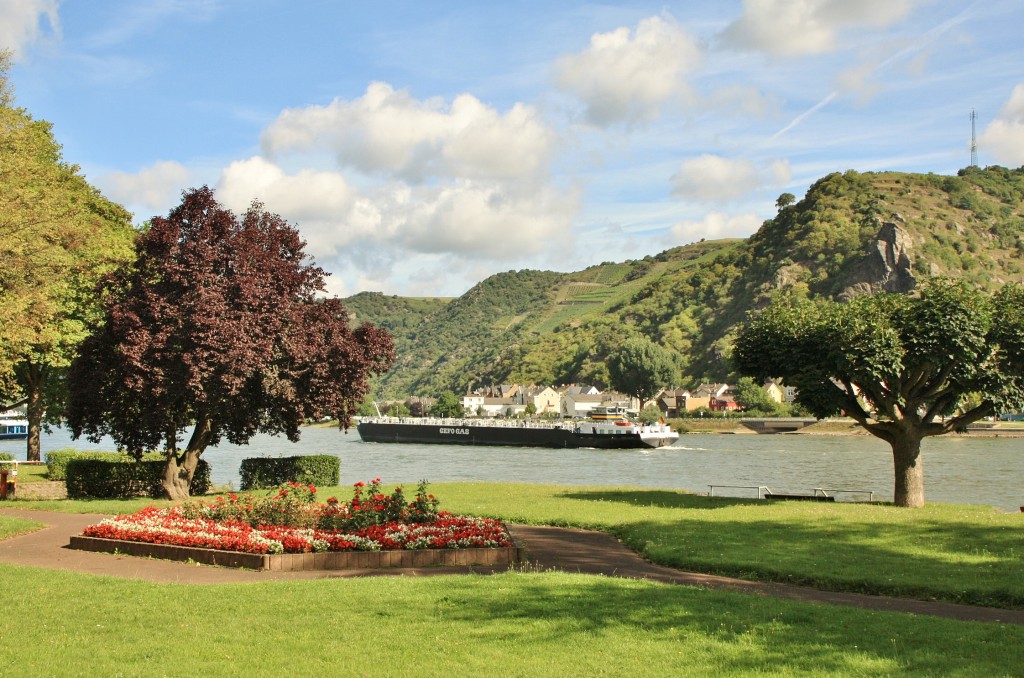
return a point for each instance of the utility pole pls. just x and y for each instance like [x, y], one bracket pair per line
[974, 141]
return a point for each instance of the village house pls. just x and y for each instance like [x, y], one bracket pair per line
[774, 391]
[578, 389]
[669, 402]
[472, 403]
[545, 400]
[579, 405]
[724, 403]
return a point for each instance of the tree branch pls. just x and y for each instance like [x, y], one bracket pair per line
[851, 404]
[962, 421]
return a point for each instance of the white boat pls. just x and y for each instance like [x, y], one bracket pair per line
[13, 429]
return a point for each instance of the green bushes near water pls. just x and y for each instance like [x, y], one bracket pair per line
[57, 461]
[260, 473]
[114, 475]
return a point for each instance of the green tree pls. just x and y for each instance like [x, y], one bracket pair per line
[641, 368]
[650, 414]
[753, 398]
[448, 405]
[902, 366]
[58, 237]
[397, 409]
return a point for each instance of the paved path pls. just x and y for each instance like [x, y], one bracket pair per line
[548, 548]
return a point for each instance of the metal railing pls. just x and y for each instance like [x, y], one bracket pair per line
[763, 492]
[759, 488]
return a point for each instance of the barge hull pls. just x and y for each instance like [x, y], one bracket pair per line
[504, 436]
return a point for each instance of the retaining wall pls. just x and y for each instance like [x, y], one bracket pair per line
[295, 562]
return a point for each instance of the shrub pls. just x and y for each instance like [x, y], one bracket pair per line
[376, 508]
[118, 476]
[261, 473]
[57, 461]
[6, 456]
[294, 505]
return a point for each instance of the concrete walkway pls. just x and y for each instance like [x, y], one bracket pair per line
[549, 548]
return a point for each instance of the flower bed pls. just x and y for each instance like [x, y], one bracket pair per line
[292, 522]
[169, 526]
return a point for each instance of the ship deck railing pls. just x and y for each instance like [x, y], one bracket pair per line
[451, 421]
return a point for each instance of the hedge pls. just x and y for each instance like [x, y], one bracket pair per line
[118, 476]
[57, 461]
[265, 472]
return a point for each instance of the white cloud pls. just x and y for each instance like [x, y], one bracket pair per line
[22, 22]
[328, 211]
[389, 131]
[799, 27]
[629, 78]
[1003, 138]
[152, 188]
[711, 178]
[482, 219]
[714, 225]
[471, 220]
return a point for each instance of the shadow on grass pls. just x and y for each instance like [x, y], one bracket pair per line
[968, 564]
[937, 553]
[660, 499]
[728, 633]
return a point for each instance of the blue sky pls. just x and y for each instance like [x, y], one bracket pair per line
[422, 146]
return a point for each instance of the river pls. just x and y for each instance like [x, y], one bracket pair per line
[961, 470]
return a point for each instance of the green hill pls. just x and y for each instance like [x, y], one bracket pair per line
[851, 234]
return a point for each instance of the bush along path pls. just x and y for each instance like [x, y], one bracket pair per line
[549, 548]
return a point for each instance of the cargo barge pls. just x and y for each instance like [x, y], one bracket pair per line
[593, 434]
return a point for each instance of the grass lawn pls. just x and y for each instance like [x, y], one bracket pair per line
[514, 624]
[525, 623]
[12, 527]
[959, 553]
[967, 554]
[31, 473]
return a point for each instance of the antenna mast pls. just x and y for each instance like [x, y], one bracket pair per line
[974, 141]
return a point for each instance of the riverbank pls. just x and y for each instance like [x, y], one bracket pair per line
[832, 427]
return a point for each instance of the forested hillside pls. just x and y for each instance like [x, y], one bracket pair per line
[851, 234]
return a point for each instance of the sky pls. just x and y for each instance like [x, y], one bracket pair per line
[420, 146]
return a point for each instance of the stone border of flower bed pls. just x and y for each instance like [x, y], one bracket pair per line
[300, 562]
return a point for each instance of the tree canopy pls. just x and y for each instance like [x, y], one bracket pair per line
[216, 323]
[58, 236]
[641, 369]
[448, 405]
[904, 367]
[753, 398]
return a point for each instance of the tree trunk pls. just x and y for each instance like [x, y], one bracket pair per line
[909, 469]
[34, 386]
[179, 471]
[178, 474]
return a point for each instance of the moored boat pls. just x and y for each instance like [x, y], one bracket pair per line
[594, 434]
[13, 429]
